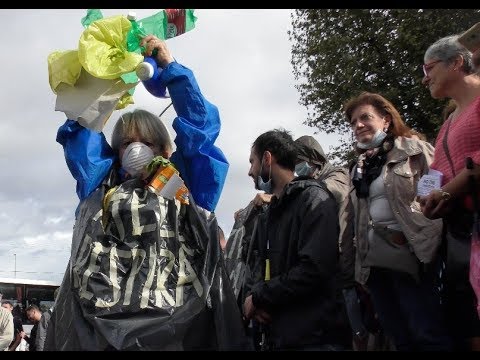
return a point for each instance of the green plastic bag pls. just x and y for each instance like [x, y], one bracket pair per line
[92, 15]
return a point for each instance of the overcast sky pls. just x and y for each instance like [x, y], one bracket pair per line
[241, 59]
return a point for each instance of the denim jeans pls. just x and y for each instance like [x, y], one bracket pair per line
[409, 311]
[354, 311]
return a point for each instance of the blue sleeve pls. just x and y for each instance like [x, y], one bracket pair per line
[202, 165]
[88, 155]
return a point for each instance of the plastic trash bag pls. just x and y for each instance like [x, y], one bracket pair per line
[102, 48]
[236, 251]
[145, 273]
[63, 67]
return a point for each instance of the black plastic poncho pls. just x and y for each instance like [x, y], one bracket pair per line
[145, 273]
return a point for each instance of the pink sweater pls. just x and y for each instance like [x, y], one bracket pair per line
[463, 141]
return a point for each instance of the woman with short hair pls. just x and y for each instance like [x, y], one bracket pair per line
[450, 74]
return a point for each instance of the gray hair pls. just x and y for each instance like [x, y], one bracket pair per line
[146, 125]
[447, 49]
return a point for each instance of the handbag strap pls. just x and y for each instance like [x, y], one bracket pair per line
[445, 146]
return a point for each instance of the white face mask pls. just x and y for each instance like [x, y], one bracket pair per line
[262, 185]
[136, 156]
[377, 139]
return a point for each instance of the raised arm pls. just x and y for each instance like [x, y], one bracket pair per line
[202, 165]
[88, 155]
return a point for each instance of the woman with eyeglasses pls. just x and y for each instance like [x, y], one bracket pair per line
[396, 244]
[450, 74]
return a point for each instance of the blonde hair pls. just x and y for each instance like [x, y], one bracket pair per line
[145, 124]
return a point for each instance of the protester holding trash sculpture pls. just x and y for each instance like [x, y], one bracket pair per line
[146, 269]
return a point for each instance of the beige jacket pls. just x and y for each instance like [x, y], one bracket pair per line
[6, 329]
[409, 159]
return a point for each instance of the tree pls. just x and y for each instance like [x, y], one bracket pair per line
[338, 53]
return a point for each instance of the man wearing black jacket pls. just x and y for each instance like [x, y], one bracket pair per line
[291, 287]
[312, 161]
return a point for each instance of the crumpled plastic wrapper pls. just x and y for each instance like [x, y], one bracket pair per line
[92, 100]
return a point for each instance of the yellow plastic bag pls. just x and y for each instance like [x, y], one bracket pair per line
[125, 100]
[102, 48]
[63, 67]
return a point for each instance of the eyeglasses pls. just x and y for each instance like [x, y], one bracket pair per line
[427, 67]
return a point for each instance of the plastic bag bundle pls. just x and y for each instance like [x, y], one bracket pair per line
[108, 49]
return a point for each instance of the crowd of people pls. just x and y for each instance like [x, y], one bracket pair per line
[13, 336]
[412, 253]
[323, 258]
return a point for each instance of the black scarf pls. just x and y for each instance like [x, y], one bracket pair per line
[369, 167]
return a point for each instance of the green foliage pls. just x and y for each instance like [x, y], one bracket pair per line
[343, 154]
[338, 53]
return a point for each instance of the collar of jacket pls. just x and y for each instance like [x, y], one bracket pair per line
[403, 148]
[298, 184]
